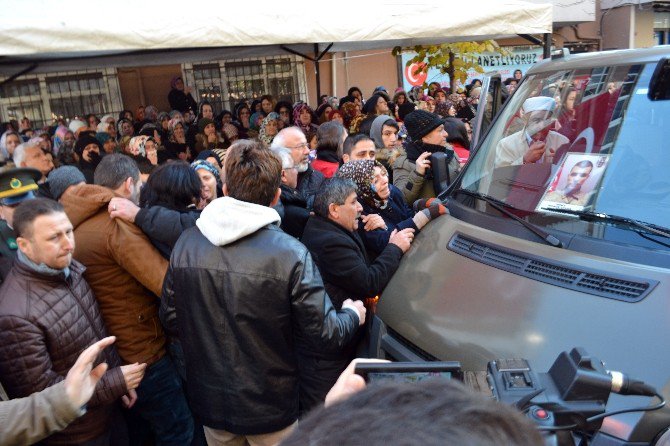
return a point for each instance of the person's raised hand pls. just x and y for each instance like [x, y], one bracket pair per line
[422, 163]
[402, 239]
[372, 222]
[133, 374]
[82, 378]
[358, 307]
[534, 152]
[122, 208]
[348, 382]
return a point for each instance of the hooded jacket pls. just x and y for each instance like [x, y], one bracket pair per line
[124, 269]
[247, 295]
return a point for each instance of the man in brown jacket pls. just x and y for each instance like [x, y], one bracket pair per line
[126, 273]
[48, 316]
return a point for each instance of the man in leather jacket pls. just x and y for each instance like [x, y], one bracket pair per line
[247, 295]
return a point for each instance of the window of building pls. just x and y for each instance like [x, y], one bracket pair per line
[44, 98]
[225, 83]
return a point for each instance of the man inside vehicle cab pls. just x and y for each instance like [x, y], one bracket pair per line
[536, 142]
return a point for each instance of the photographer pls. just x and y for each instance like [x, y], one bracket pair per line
[431, 412]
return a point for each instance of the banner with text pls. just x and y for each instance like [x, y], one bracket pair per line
[516, 59]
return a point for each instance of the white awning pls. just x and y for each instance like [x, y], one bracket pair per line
[47, 30]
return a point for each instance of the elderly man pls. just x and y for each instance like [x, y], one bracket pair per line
[536, 142]
[332, 238]
[48, 316]
[247, 295]
[126, 273]
[30, 154]
[309, 180]
[292, 206]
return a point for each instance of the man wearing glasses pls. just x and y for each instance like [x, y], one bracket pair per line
[309, 180]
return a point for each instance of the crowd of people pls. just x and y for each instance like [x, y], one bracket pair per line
[236, 258]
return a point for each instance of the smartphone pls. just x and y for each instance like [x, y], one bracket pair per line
[408, 372]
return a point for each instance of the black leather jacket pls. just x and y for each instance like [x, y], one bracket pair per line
[242, 310]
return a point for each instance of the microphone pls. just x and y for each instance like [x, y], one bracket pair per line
[624, 385]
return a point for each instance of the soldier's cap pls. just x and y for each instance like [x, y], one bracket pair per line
[17, 185]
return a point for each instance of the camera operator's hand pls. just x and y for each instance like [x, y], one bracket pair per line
[82, 378]
[372, 222]
[348, 383]
[422, 163]
[402, 239]
[358, 307]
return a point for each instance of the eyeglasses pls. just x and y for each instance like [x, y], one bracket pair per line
[302, 145]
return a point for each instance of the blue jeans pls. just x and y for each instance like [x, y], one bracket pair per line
[162, 403]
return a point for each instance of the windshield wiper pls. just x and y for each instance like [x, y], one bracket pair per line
[631, 222]
[500, 205]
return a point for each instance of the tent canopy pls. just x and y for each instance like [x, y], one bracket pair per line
[55, 34]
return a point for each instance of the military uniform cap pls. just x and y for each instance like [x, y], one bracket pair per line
[18, 184]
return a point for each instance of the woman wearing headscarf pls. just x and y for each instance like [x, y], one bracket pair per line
[180, 96]
[349, 111]
[269, 128]
[329, 139]
[458, 139]
[303, 117]
[378, 196]
[285, 111]
[445, 109]
[175, 147]
[8, 142]
[336, 115]
[144, 151]
[208, 138]
[322, 112]
[242, 118]
[210, 179]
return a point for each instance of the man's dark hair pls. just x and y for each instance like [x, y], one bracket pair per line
[28, 211]
[583, 164]
[252, 172]
[333, 190]
[173, 185]
[114, 169]
[351, 141]
[457, 132]
[329, 138]
[433, 412]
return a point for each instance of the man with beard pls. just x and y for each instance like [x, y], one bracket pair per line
[126, 274]
[292, 207]
[88, 149]
[572, 194]
[309, 180]
[536, 142]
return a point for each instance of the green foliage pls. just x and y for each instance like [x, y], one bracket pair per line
[453, 59]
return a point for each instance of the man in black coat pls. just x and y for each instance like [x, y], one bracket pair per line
[247, 296]
[292, 206]
[309, 180]
[332, 238]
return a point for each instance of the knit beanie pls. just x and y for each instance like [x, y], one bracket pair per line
[84, 140]
[419, 123]
[204, 122]
[62, 178]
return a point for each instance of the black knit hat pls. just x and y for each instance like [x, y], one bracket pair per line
[204, 122]
[419, 123]
[83, 141]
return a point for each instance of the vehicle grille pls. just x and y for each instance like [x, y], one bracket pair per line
[548, 271]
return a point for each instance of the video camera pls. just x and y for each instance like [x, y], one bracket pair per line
[570, 398]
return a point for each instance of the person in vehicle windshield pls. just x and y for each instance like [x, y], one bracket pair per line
[536, 142]
[332, 238]
[572, 194]
[411, 172]
[379, 197]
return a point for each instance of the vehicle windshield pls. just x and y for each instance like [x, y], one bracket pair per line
[579, 141]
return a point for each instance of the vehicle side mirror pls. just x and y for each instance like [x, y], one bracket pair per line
[439, 162]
